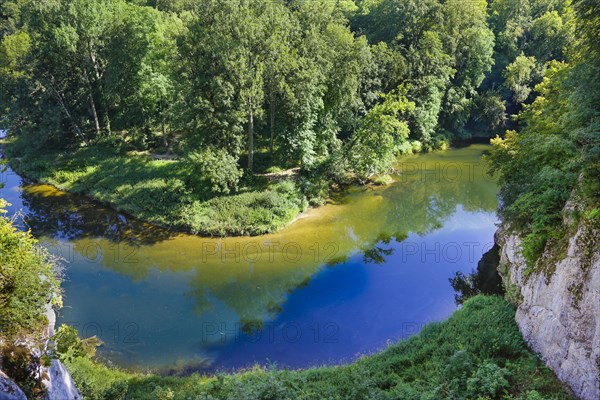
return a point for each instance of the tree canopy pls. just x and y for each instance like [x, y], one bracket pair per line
[554, 156]
[294, 82]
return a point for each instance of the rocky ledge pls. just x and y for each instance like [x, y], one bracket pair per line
[558, 309]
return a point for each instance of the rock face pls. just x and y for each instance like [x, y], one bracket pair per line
[559, 311]
[9, 390]
[60, 385]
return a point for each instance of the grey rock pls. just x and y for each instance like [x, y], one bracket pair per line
[9, 390]
[559, 314]
[60, 385]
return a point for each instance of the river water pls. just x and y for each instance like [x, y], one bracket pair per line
[344, 280]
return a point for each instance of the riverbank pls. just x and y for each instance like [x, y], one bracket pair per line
[161, 191]
[166, 191]
[477, 353]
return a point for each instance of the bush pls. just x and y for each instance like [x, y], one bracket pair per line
[439, 142]
[22, 367]
[68, 345]
[252, 213]
[487, 382]
[215, 171]
[29, 279]
[316, 189]
[96, 381]
[410, 147]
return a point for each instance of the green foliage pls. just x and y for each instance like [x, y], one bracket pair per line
[167, 193]
[528, 35]
[377, 141]
[488, 381]
[410, 147]
[252, 213]
[316, 189]
[383, 180]
[28, 282]
[555, 156]
[294, 77]
[96, 381]
[69, 346]
[477, 353]
[213, 171]
[490, 112]
[518, 77]
[333, 85]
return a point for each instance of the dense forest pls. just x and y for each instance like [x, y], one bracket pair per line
[184, 102]
[304, 82]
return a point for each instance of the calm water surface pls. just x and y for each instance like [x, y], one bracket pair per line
[343, 280]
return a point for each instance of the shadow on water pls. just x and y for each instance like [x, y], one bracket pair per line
[60, 215]
[485, 280]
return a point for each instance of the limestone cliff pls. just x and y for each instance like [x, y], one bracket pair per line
[9, 390]
[58, 382]
[559, 307]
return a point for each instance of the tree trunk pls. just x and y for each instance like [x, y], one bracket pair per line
[92, 102]
[164, 132]
[250, 137]
[95, 115]
[63, 105]
[272, 112]
[98, 79]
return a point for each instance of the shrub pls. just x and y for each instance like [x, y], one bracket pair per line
[487, 381]
[316, 189]
[68, 345]
[29, 279]
[22, 367]
[251, 213]
[213, 170]
[383, 180]
[410, 147]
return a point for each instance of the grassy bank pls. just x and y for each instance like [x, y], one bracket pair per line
[163, 192]
[478, 353]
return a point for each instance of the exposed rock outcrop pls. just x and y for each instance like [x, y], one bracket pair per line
[60, 385]
[559, 309]
[57, 379]
[9, 390]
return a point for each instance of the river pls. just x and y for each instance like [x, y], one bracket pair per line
[344, 280]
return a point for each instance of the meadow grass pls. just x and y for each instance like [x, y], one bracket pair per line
[162, 192]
